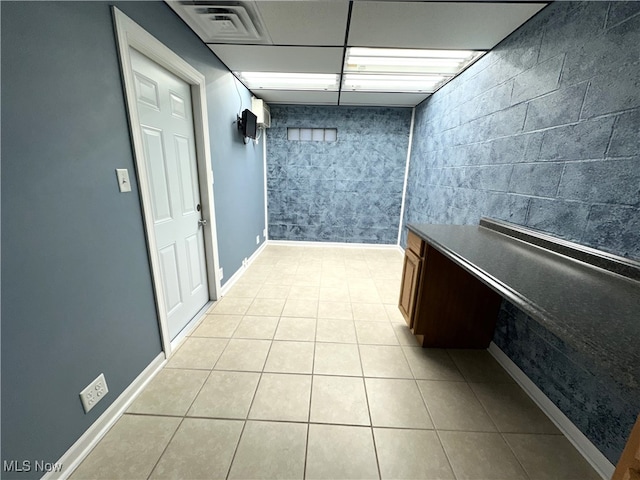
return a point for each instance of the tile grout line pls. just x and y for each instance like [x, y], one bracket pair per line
[166, 447]
[246, 419]
[313, 366]
[426, 406]
[465, 378]
[468, 382]
[184, 416]
[366, 395]
[235, 450]
[445, 452]
[526, 473]
[434, 425]
[305, 422]
[389, 427]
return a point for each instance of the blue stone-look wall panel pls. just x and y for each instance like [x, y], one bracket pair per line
[544, 131]
[349, 190]
[590, 397]
[557, 106]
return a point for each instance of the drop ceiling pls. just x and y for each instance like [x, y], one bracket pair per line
[300, 36]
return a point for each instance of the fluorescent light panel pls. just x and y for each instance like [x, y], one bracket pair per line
[403, 70]
[410, 52]
[406, 61]
[289, 81]
[393, 83]
[374, 70]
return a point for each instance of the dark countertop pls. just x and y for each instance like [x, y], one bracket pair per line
[594, 310]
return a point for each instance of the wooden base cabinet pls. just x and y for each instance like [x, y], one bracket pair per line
[443, 304]
[628, 467]
[411, 270]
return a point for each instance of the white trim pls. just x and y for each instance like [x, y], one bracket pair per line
[233, 280]
[295, 243]
[131, 35]
[190, 327]
[264, 163]
[406, 173]
[292, 243]
[588, 450]
[90, 438]
[236, 276]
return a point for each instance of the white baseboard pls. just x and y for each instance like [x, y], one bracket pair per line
[190, 327]
[296, 243]
[588, 450]
[238, 274]
[90, 438]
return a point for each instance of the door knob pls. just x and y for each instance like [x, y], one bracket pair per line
[202, 222]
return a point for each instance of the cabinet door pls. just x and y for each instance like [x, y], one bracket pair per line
[629, 464]
[409, 288]
[453, 308]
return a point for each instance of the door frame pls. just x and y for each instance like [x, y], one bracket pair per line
[131, 35]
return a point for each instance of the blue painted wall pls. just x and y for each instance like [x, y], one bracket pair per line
[238, 169]
[349, 190]
[544, 131]
[77, 296]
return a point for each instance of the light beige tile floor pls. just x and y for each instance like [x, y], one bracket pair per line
[306, 369]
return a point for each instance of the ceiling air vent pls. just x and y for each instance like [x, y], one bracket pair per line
[223, 22]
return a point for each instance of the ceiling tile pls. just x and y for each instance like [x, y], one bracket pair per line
[382, 99]
[446, 25]
[307, 36]
[305, 23]
[298, 96]
[269, 58]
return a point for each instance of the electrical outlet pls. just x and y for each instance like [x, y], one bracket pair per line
[221, 273]
[264, 233]
[257, 239]
[93, 393]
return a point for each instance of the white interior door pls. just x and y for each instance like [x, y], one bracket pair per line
[166, 123]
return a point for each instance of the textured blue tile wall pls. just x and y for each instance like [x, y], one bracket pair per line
[349, 190]
[600, 403]
[544, 131]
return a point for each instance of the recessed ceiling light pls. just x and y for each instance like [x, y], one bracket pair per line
[289, 81]
[404, 61]
[410, 70]
[393, 83]
[411, 52]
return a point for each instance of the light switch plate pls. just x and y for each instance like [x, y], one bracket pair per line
[123, 179]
